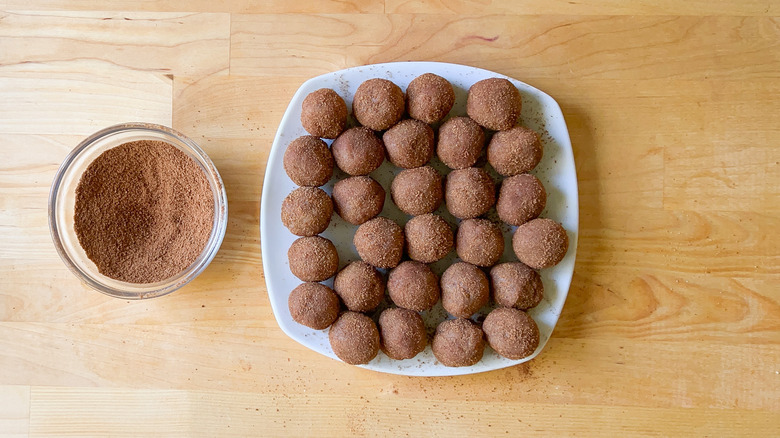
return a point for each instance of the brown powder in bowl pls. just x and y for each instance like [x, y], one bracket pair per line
[144, 211]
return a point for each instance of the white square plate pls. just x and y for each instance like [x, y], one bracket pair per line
[556, 171]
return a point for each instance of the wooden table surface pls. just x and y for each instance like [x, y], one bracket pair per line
[672, 324]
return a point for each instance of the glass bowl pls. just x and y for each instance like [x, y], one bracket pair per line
[62, 199]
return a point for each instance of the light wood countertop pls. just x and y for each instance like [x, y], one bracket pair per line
[672, 324]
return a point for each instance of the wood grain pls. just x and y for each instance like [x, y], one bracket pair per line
[262, 359]
[79, 98]
[718, 177]
[598, 7]
[672, 324]
[670, 307]
[172, 43]
[83, 412]
[563, 47]
[512, 7]
[236, 6]
[14, 411]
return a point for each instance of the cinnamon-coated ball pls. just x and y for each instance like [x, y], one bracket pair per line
[469, 192]
[516, 285]
[358, 199]
[458, 343]
[380, 242]
[358, 151]
[306, 211]
[511, 332]
[429, 98]
[313, 305]
[464, 289]
[324, 113]
[479, 242]
[378, 104]
[313, 258]
[417, 191]
[402, 332]
[540, 243]
[308, 161]
[354, 338]
[514, 151]
[494, 103]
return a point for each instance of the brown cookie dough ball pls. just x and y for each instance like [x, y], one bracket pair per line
[458, 343]
[313, 258]
[429, 98]
[460, 142]
[517, 150]
[417, 191]
[358, 151]
[540, 243]
[469, 192]
[413, 285]
[429, 238]
[402, 332]
[378, 104]
[313, 305]
[409, 143]
[464, 289]
[360, 287]
[380, 242]
[306, 211]
[520, 199]
[358, 199]
[516, 285]
[494, 103]
[324, 113]
[354, 338]
[511, 332]
[308, 161]
[479, 242]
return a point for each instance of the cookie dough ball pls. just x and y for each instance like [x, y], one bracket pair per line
[358, 151]
[428, 238]
[308, 161]
[409, 143]
[429, 98]
[511, 332]
[520, 199]
[458, 343]
[360, 287]
[358, 199]
[413, 285]
[313, 305]
[464, 289]
[380, 242]
[540, 243]
[494, 103]
[402, 332]
[313, 258]
[516, 285]
[354, 338]
[324, 113]
[469, 192]
[307, 211]
[517, 150]
[479, 242]
[460, 142]
[417, 191]
[378, 104]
